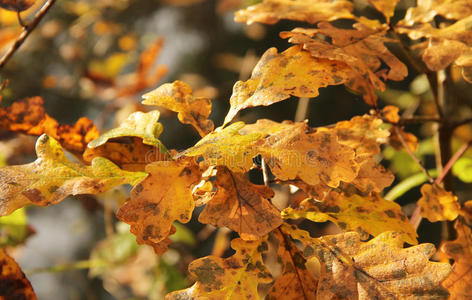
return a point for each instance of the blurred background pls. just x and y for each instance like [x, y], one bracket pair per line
[95, 58]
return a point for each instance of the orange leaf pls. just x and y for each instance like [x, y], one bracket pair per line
[13, 282]
[162, 198]
[240, 205]
[438, 204]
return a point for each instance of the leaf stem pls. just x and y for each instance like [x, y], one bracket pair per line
[26, 32]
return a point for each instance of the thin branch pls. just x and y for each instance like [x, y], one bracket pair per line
[413, 120]
[412, 155]
[265, 173]
[462, 122]
[26, 32]
[451, 162]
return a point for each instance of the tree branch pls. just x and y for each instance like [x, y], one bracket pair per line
[26, 32]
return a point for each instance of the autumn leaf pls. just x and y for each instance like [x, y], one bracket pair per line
[178, 97]
[387, 8]
[378, 269]
[362, 50]
[163, 197]
[52, 177]
[295, 282]
[277, 76]
[130, 155]
[241, 206]
[138, 124]
[13, 282]
[438, 204]
[235, 277]
[28, 116]
[370, 215]
[425, 11]
[16, 5]
[310, 11]
[459, 280]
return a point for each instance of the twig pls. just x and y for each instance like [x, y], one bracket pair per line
[462, 122]
[302, 109]
[265, 172]
[451, 162]
[26, 32]
[412, 155]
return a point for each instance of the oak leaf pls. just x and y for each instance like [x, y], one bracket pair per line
[241, 206]
[178, 97]
[425, 11]
[156, 202]
[387, 8]
[310, 11]
[235, 277]
[28, 116]
[52, 177]
[362, 50]
[295, 282]
[13, 282]
[378, 269]
[277, 76]
[459, 281]
[437, 204]
[16, 5]
[138, 124]
[370, 215]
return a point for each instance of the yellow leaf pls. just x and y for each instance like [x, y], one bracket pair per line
[162, 198]
[311, 11]
[138, 124]
[386, 7]
[361, 49]
[178, 97]
[460, 280]
[425, 11]
[52, 177]
[378, 269]
[232, 278]
[240, 205]
[438, 204]
[371, 215]
[13, 281]
[277, 76]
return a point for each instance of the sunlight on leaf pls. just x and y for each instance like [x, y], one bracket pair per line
[438, 204]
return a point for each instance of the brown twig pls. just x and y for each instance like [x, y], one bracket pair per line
[26, 32]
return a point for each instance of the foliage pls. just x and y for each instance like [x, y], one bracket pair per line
[335, 169]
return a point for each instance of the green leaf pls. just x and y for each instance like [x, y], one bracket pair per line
[13, 228]
[463, 169]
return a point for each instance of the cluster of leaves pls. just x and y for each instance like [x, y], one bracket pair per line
[336, 167]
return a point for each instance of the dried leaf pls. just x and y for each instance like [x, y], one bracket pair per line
[277, 76]
[52, 177]
[425, 11]
[13, 282]
[16, 5]
[235, 277]
[162, 198]
[438, 204]
[28, 116]
[361, 49]
[241, 206]
[387, 8]
[459, 280]
[396, 142]
[178, 97]
[371, 215]
[138, 124]
[378, 269]
[295, 282]
[310, 11]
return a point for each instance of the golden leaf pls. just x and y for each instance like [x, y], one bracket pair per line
[378, 269]
[241, 206]
[13, 282]
[310, 11]
[162, 198]
[371, 215]
[235, 277]
[178, 97]
[438, 204]
[52, 177]
[460, 280]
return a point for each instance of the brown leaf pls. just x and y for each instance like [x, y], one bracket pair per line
[460, 280]
[16, 5]
[240, 205]
[295, 282]
[425, 11]
[28, 116]
[311, 11]
[387, 8]
[13, 282]
[378, 269]
[178, 97]
[361, 49]
[438, 204]
[277, 76]
[162, 198]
